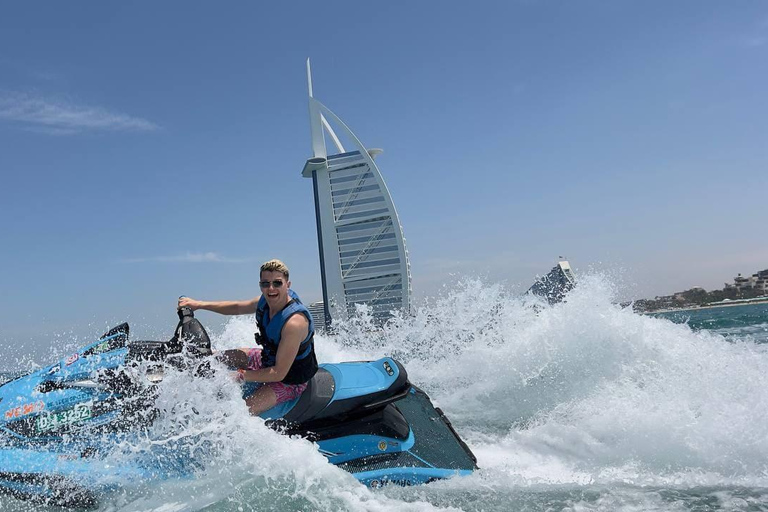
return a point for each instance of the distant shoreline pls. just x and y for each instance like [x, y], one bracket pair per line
[707, 306]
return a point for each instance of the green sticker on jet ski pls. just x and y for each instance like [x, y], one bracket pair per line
[59, 419]
[101, 347]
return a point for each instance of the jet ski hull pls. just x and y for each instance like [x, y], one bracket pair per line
[394, 436]
[60, 477]
[433, 451]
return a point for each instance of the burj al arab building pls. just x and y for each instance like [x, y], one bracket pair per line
[363, 258]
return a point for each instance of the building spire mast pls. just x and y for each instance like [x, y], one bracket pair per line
[315, 120]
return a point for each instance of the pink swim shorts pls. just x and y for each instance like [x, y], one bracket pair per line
[283, 392]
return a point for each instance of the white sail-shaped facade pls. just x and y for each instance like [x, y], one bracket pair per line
[363, 257]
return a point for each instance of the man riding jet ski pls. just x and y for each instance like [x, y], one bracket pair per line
[281, 368]
[57, 423]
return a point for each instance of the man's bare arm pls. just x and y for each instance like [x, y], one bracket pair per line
[294, 332]
[224, 307]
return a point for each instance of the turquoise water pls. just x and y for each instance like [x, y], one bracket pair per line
[582, 406]
[748, 322]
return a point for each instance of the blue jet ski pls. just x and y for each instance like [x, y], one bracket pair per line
[56, 423]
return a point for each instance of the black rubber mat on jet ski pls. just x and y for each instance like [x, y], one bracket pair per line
[436, 441]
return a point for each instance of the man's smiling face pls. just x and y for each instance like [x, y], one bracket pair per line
[276, 289]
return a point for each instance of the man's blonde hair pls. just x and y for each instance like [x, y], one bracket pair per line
[274, 266]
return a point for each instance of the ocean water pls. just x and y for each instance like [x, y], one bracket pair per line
[737, 322]
[581, 406]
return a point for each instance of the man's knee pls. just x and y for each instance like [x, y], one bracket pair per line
[235, 358]
[262, 400]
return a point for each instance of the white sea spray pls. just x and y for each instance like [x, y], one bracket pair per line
[583, 405]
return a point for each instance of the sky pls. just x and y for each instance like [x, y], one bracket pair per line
[154, 149]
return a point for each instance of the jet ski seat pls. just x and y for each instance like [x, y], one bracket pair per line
[314, 399]
[317, 402]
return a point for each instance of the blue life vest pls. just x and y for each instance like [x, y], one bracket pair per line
[304, 366]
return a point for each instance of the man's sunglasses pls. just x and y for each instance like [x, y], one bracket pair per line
[275, 284]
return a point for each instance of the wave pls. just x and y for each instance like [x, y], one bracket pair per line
[583, 391]
[581, 405]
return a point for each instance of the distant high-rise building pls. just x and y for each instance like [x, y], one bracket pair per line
[556, 284]
[363, 258]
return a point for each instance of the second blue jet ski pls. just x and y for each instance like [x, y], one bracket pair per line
[57, 422]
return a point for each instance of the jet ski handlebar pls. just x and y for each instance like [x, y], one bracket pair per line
[189, 336]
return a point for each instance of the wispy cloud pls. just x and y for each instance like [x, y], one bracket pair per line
[754, 41]
[47, 75]
[190, 257]
[57, 117]
[756, 36]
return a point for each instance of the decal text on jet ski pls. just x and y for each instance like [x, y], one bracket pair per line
[58, 419]
[23, 410]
